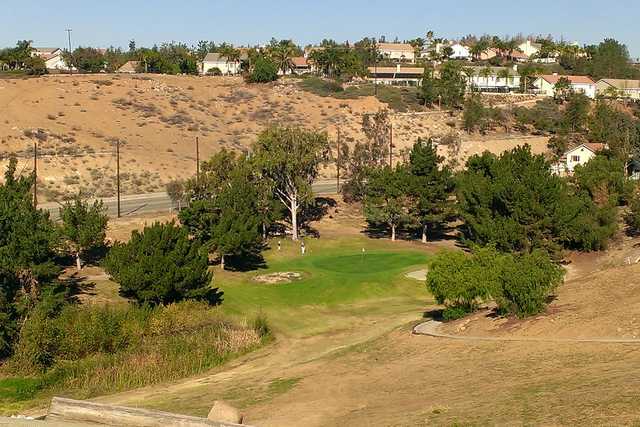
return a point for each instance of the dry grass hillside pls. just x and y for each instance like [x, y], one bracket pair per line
[77, 119]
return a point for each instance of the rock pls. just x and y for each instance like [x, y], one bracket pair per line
[222, 411]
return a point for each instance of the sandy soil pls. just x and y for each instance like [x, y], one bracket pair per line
[157, 118]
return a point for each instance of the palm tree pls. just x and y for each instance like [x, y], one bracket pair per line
[486, 72]
[282, 54]
[506, 75]
[469, 73]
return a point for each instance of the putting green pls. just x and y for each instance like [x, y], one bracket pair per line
[367, 263]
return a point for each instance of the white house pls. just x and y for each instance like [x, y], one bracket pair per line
[52, 57]
[460, 52]
[397, 76]
[214, 60]
[493, 79]
[545, 84]
[579, 155]
[397, 51]
[530, 48]
[619, 88]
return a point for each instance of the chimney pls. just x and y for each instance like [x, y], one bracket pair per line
[555, 74]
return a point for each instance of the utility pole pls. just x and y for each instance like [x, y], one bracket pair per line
[338, 165]
[68, 30]
[35, 174]
[198, 163]
[118, 173]
[390, 143]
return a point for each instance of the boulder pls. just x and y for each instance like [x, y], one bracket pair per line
[222, 411]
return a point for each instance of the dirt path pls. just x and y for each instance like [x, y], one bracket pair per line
[432, 327]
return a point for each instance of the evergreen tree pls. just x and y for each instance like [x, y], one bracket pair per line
[431, 186]
[27, 241]
[162, 265]
[387, 199]
[84, 227]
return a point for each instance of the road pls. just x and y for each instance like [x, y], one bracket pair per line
[159, 202]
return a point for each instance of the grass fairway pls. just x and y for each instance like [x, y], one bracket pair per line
[336, 277]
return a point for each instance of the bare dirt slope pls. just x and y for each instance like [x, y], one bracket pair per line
[159, 117]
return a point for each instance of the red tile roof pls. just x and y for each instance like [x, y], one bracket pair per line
[299, 61]
[553, 79]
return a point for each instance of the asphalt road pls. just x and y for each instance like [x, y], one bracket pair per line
[159, 202]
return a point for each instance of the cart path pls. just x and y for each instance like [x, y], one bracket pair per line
[431, 328]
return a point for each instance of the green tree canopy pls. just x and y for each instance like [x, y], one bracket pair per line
[161, 265]
[431, 186]
[84, 226]
[514, 202]
[290, 158]
[387, 200]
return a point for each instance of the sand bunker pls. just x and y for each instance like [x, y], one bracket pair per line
[280, 277]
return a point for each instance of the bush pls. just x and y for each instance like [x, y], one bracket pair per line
[632, 218]
[35, 66]
[100, 350]
[215, 71]
[264, 71]
[527, 281]
[161, 265]
[321, 87]
[519, 284]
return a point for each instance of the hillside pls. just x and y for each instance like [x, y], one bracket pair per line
[157, 118]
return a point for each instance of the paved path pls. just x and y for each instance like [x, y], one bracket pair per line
[431, 328]
[159, 202]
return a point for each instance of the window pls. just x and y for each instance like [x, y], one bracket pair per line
[575, 159]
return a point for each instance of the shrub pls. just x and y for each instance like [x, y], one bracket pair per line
[527, 281]
[519, 284]
[215, 71]
[264, 71]
[99, 350]
[35, 66]
[161, 265]
[462, 282]
[632, 218]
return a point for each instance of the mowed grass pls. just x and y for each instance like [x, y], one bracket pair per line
[338, 278]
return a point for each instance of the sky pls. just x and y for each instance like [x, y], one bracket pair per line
[115, 22]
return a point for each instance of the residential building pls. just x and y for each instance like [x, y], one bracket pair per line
[619, 88]
[397, 51]
[545, 84]
[214, 60]
[488, 54]
[300, 65]
[493, 79]
[397, 76]
[518, 56]
[530, 48]
[576, 156]
[52, 57]
[129, 67]
[460, 51]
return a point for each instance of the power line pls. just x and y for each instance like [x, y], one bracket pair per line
[68, 30]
